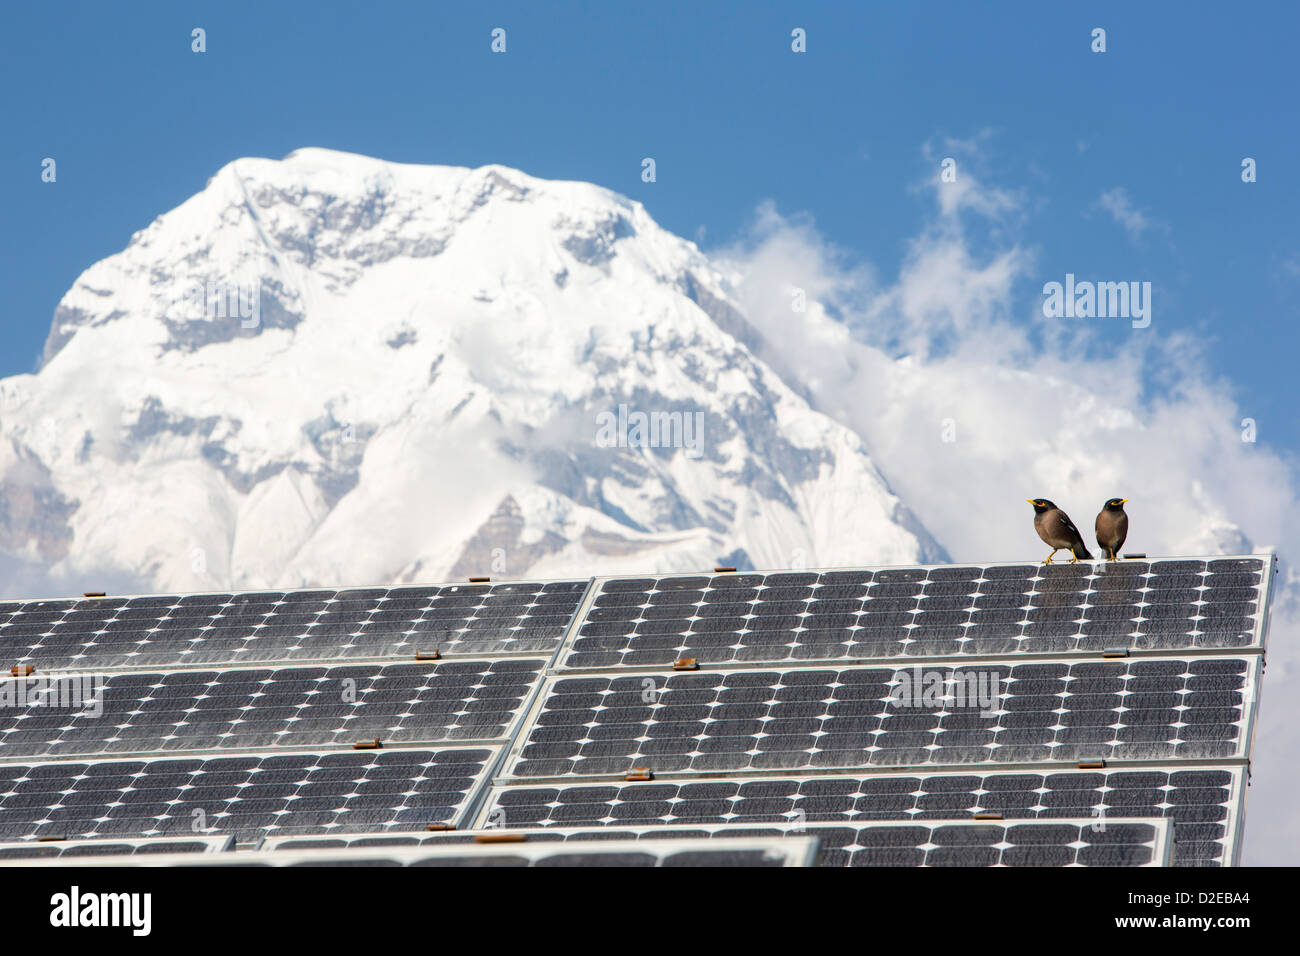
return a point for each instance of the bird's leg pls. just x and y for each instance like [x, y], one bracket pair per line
[1113, 556]
[1048, 559]
[1074, 558]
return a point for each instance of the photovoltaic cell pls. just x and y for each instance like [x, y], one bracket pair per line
[269, 707]
[866, 614]
[241, 796]
[1200, 803]
[850, 717]
[456, 619]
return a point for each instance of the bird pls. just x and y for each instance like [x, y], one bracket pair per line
[1055, 527]
[1112, 527]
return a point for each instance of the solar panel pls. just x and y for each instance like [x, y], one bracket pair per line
[784, 718]
[1104, 711]
[22, 852]
[921, 612]
[242, 796]
[271, 626]
[1204, 805]
[771, 851]
[1058, 842]
[240, 708]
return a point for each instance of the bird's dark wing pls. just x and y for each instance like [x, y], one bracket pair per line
[1068, 524]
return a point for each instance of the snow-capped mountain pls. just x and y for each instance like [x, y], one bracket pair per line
[331, 369]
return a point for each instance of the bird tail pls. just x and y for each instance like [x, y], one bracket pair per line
[1082, 553]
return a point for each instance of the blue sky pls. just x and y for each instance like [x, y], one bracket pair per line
[137, 123]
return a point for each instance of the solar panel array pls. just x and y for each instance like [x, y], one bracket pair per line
[1083, 714]
[137, 722]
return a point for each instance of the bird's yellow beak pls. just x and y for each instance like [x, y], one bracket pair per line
[1030, 500]
[1123, 501]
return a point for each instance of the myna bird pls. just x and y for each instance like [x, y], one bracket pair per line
[1055, 527]
[1112, 527]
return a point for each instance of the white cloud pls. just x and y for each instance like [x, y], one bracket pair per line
[1040, 409]
[1116, 202]
[967, 192]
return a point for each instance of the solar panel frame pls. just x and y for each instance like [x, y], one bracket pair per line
[785, 851]
[1161, 843]
[929, 574]
[73, 848]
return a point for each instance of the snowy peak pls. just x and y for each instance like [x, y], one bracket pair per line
[332, 368]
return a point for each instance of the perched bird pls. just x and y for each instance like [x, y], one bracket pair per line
[1055, 527]
[1112, 527]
